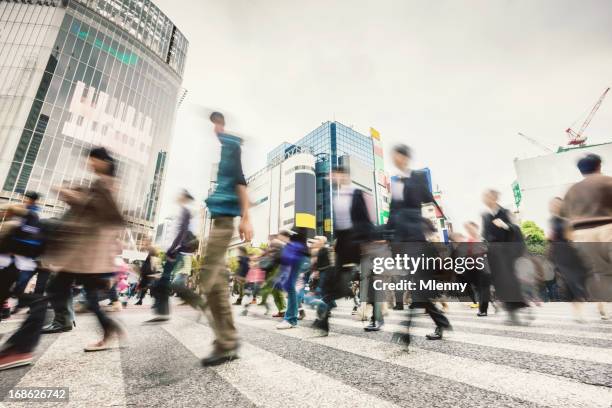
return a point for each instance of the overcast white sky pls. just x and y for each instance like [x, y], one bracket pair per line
[455, 80]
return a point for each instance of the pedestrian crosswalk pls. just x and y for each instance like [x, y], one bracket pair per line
[270, 380]
[555, 362]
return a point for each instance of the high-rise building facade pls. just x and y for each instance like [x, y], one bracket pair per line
[334, 144]
[79, 73]
[283, 195]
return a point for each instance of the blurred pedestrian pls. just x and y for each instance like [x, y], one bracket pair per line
[241, 273]
[588, 207]
[254, 279]
[149, 268]
[476, 248]
[406, 226]
[566, 259]
[20, 246]
[229, 200]
[182, 245]
[270, 263]
[294, 262]
[353, 227]
[506, 247]
[85, 255]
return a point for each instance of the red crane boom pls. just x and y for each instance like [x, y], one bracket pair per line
[577, 138]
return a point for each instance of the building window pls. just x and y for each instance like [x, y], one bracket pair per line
[289, 221]
[289, 204]
[261, 200]
[296, 168]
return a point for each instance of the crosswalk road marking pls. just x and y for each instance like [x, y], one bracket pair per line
[274, 370]
[92, 377]
[269, 380]
[585, 353]
[551, 314]
[481, 324]
[522, 384]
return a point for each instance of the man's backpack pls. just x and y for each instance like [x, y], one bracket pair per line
[27, 238]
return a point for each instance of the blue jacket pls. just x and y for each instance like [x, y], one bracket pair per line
[223, 202]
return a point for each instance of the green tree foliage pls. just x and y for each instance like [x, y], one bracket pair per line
[534, 237]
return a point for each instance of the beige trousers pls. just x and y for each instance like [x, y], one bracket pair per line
[595, 245]
[213, 284]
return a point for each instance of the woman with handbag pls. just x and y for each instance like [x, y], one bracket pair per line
[84, 255]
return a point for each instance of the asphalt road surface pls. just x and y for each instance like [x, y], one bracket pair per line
[555, 362]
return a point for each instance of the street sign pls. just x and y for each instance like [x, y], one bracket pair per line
[516, 190]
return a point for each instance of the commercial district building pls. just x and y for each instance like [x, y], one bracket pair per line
[541, 178]
[294, 189]
[79, 73]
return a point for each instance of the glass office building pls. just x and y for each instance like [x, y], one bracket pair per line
[80, 73]
[335, 144]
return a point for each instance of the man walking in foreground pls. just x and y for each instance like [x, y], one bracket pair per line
[229, 200]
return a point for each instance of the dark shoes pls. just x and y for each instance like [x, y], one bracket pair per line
[238, 302]
[219, 357]
[55, 328]
[321, 327]
[402, 339]
[374, 326]
[301, 314]
[513, 319]
[279, 314]
[438, 333]
[399, 306]
[481, 314]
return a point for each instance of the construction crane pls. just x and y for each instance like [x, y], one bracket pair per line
[536, 143]
[577, 138]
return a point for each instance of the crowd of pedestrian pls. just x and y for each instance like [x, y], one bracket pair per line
[76, 257]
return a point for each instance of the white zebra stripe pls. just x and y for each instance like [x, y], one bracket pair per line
[498, 325]
[269, 380]
[93, 379]
[585, 353]
[514, 382]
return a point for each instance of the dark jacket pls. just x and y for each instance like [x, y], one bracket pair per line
[505, 247]
[348, 242]
[179, 244]
[493, 233]
[243, 266]
[26, 238]
[406, 223]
